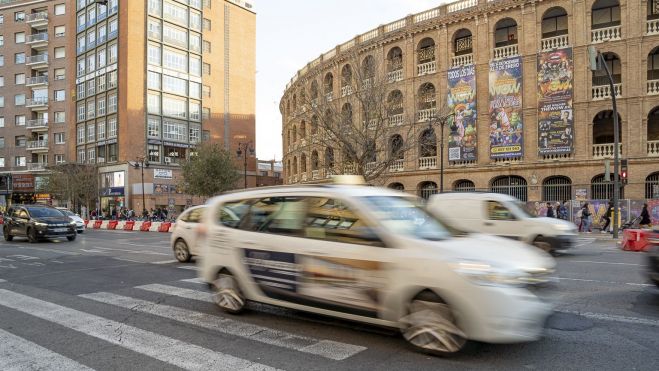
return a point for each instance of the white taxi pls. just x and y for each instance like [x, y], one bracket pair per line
[372, 255]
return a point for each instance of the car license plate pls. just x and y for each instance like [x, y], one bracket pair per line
[60, 229]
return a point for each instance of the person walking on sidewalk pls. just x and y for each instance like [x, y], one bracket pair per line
[550, 211]
[561, 210]
[607, 217]
[585, 219]
[646, 222]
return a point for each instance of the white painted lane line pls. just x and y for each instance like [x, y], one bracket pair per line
[178, 291]
[17, 354]
[132, 251]
[163, 348]
[600, 281]
[1, 280]
[194, 280]
[190, 267]
[165, 262]
[324, 348]
[599, 262]
[128, 260]
[614, 318]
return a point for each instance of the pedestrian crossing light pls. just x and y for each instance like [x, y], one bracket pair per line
[623, 171]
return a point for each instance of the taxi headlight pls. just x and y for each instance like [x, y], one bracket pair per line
[486, 274]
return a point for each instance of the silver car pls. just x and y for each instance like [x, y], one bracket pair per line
[80, 223]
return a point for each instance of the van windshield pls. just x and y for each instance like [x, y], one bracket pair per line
[519, 208]
[400, 215]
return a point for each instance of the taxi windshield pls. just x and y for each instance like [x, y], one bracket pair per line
[401, 215]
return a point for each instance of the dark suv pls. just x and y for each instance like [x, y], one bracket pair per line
[37, 222]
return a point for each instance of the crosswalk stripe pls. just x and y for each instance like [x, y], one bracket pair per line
[163, 348]
[324, 348]
[194, 280]
[17, 354]
[178, 291]
[190, 267]
[1, 280]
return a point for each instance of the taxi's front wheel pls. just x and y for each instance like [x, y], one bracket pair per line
[431, 327]
[227, 294]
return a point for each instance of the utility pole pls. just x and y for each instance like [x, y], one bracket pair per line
[141, 163]
[245, 149]
[442, 121]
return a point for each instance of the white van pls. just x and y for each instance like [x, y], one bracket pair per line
[372, 255]
[501, 215]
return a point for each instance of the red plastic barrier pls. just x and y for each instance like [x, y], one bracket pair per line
[635, 240]
[164, 227]
[129, 225]
[86, 221]
[2, 220]
[145, 226]
[112, 224]
[97, 224]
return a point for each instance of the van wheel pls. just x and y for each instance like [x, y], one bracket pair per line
[540, 243]
[227, 294]
[181, 251]
[32, 235]
[431, 327]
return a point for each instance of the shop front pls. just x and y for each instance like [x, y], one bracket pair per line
[22, 186]
[112, 192]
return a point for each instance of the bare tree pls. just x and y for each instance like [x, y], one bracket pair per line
[366, 130]
[76, 183]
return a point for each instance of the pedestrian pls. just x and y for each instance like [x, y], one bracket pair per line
[550, 211]
[562, 210]
[645, 217]
[585, 219]
[607, 217]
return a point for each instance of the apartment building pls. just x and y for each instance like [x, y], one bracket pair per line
[33, 95]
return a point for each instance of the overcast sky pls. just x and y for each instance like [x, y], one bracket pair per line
[291, 33]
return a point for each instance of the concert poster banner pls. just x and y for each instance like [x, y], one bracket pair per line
[506, 127]
[555, 114]
[462, 103]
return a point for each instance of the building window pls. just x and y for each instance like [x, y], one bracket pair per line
[511, 185]
[19, 79]
[153, 103]
[81, 156]
[60, 73]
[91, 87]
[154, 153]
[195, 133]
[2, 142]
[174, 35]
[80, 90]
[59, 138]
[153, 127]
[60, 9]
[174, 85]
[19, 99]
[91, 133]
[206, 91]
[19, 58]
[100, 106]
[2, 122]
[174, 107]
[195, 111]
[2, 159]
[112, 103]
[60, 117]
[153, 53]
[195, 20]
[194, 90]
[102, 58]
[81, 111]
[175, 13]
[19, 120]
[100, 83]
[174, 130]
[2, 102]
[19, 161]
[20, 141]
[195, 42]
[174, 155]
[205, 113]
[59, 159]
[91, 63]
[112, 127]
[153, 80]
[112, 80]
[175, 60]
[60, 95]
[19, 37]
[207, 69]
[207, 46]
[155, 7]
[2, 40]
[60, 31]
[91, 109]
[154, 29]
[80, 138]
[100, 130]
[60, 52]
[82, 44]
[112, 53]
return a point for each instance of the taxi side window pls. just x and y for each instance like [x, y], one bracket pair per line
[496, 211]
[279, 215]
[195, 215]
[231, 213]
[332, 220]
[185, 216]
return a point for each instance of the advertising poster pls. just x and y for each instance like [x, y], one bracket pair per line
[506, 127]
[462, 103]
[555, 115]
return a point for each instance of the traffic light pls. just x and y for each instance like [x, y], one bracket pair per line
[623, 171]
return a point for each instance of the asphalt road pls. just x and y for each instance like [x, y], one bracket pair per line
[117, 300]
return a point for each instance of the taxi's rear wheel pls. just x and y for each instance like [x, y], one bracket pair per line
[227, 294]
[542, 244]
[181, 251]
[431, 327]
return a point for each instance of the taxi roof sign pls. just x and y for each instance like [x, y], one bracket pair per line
[348, 179]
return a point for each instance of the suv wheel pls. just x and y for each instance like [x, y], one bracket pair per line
[8, 237]
[227, 294]
[32, 235]
[181, 251]
[431, 327]
[71, 238]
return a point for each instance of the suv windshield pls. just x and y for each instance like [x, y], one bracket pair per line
[400, 215]
[67, 212]
[43, 212]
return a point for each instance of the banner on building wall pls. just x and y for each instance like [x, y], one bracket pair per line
[506, 128]
[461, 101]
[555, 114]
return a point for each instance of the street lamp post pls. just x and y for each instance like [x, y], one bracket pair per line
[245, 149]
[442, 121]
[141, 163]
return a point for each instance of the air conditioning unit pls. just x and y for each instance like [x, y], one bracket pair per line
[168, 160]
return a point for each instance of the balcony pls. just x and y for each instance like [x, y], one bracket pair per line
[303, 177]
[370, 167]
[394, 76]
[505, 51]
[652, 27]
[601, 35]
[604, 91]
[37, 40]
[38, 124]
[37, 19]
[40, 103]
[426, 68]
[37, 61]
[462, 60]
[315, 175]
[426, 114]
[601, 151]
[555, 42]
[36, 81]
[396, 120]
[397, 165]
[37, 145]
[37, 166]
[346, 90]
[426, 163]
[295, 178]
[653, 148]
[653, 87]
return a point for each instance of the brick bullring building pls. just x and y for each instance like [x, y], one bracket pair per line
[530, 118]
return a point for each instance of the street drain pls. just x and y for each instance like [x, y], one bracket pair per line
[568, 322]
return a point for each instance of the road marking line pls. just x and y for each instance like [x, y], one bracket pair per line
[128, 260]
[194, 280]
[190, 267]
[163, 348]
[324, 348]
[17, 353]
[599, 281]
[133, 251]
[165, 262]
[178, 291]
[597, 262]
[613, 318]
[1, 280]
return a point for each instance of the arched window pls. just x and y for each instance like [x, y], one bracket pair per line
[329, 83]
[653, 9]
[368, 67]
[329, 158]
[394, 59]
[396, 147]
[557, 188]
[395, 103]
[653, 132]
[505, 32]
[303, 163]
[294, 102]
[346, 76]
[512, 185]
[426, 51]
[288, 107]
[396, 186]
[294, 133]
[370, 151]
[462, 42]
[346, 115]
[314, 90]
[605, 13]
[603, 128]
[314, 125]
[464, 185]
[314, 160]
[600, 77]
[602, 190]
[303, 130]
[427, 189]
[428, 144]
[554, 22]
[652, 186]
[295, 165]
[289, 171]
[427, 96]
[653, 70]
